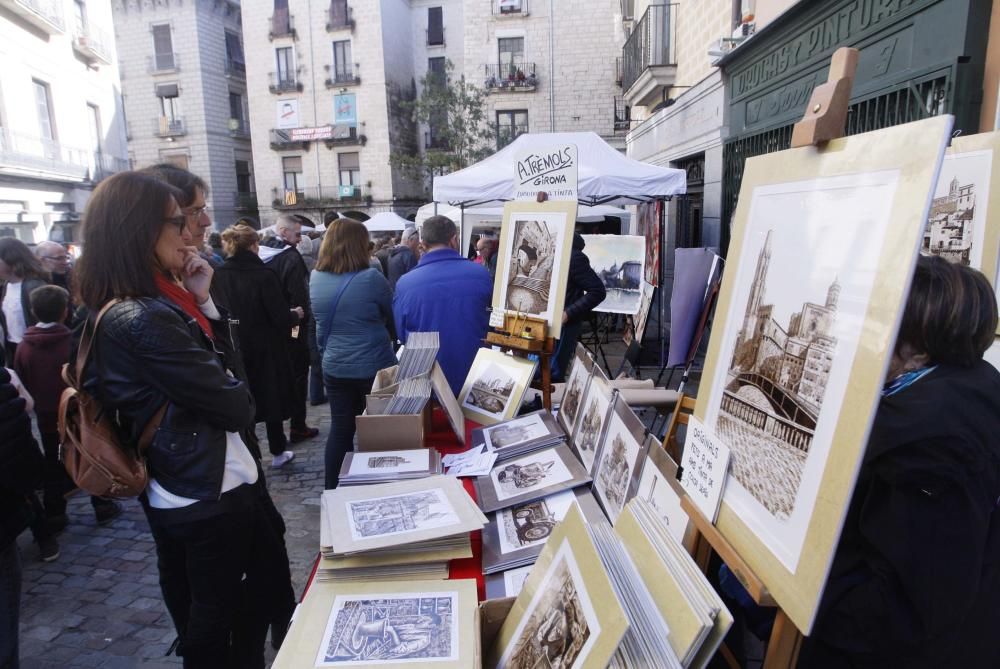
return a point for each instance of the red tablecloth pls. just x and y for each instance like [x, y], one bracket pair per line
[444, 440]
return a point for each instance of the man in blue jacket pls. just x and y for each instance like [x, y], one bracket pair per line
[448, 294]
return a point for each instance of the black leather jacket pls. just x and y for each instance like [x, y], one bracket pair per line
[148, 352]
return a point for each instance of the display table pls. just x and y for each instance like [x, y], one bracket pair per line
[444, 440]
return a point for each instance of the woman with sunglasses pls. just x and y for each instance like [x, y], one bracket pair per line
[207, 507]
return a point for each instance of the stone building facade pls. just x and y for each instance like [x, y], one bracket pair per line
[61, 122]
[185, 93]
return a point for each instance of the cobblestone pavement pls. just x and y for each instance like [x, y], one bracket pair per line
[99, 604]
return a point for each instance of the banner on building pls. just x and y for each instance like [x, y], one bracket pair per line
[311, 134]
[345, 109]
[288, 114]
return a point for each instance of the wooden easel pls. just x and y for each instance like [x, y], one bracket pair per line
[825, 118]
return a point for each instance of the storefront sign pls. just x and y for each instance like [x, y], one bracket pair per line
[288, 114]
[345, 110]
[552, 170]
[311, 134]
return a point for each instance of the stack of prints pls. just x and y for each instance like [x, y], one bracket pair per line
[530, 477]
[521, 435]
[404, 528]
[515, 536]
[367, 625]
[419, 354]
[387, 466]
[410, 397]
[696, 617]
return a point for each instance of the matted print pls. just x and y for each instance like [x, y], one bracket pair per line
[515, 432]
[821, 254]
[494, 387]
[619, 461]
[576, 387]
[618, 260]
[513, 580]
[532, 472]
[659, 486]
[594, 410]
[391, 629]
[400, 514]
[560, 625]
[390, 462]
[533, 260]
[530, 524]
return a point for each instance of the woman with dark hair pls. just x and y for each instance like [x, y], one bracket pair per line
[353, 307]
[207, 507]
[21, 272]
[916, 577]
[252, 292]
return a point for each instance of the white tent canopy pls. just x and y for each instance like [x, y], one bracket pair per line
[387, 221]
[489, 217]
[605, 175]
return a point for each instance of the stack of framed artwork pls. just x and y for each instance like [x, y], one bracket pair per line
[804, 328]
[520, 435]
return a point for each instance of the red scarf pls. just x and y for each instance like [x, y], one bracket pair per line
[185, 300]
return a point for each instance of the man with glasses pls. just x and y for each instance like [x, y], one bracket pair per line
[55, 260]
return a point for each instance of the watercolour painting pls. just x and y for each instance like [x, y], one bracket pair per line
[618, 260]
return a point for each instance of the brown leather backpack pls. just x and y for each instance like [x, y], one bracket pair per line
[91, 444]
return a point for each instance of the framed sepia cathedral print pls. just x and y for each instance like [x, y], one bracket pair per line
[536, 239]
[823, 248]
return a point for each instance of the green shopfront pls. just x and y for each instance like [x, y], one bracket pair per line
[919, 58]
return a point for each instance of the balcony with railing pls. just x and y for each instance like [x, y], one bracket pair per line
[239, 128]
[623, 116]
[282, 140]
[44, 14]
[339, 16]
[25, 152]
[92, 43]
[163, 63]
[319, 196]
[507, 133]
[284, 82]
[516, 77]
[236, 69]
[103, 165]
[345, 135]
[342, 76]
[649, 63]
[510, 7]
[165, 126]
[282, 25]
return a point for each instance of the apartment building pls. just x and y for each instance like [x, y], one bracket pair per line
[61, 126]
[327, 92]
[185, 95]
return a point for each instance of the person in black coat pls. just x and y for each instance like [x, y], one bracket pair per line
[403, 257]
[280, 254]
[252, 291]
[584, 291]
[916, 577]
[21, 470]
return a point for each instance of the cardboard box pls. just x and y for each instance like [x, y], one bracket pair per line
[492, 614]
[390, 433]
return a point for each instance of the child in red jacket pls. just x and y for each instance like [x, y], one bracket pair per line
[39, 363]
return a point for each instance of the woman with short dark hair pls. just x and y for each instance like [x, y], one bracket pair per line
[353, 307]
[158, 345]
[916, 577]
[21, 272]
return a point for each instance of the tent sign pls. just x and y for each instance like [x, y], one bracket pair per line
[552, 170]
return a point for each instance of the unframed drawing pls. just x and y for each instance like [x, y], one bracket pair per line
[591, 424]
[956, 226]
[618, 260]
[391, 629]
[557, 628]
[515, 432]
[574, 390]
[491, 391]
[614, 471]
[530, 524]
[531, 472]
[400, 514]
[533, 254]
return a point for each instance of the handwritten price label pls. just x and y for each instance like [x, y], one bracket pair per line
[705, 464]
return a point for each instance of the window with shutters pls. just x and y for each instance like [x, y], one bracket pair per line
[163, 48]
[435, 26]
[510, 51]
[286, 65]
[343, 68]
[170, 104]
[437, 70]
[350, 169]
[43, 107]
[510, 124]
[243, 184]
[235, 62]
[291, 167]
